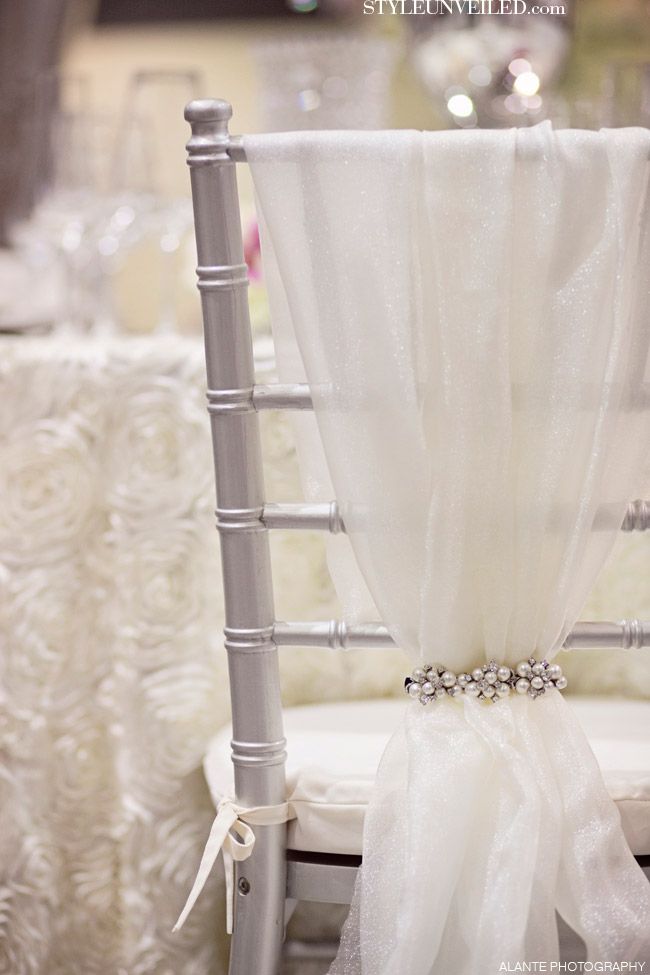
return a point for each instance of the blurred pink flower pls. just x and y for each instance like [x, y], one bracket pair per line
[252, 252]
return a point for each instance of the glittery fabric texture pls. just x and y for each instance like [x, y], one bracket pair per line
[471, 309]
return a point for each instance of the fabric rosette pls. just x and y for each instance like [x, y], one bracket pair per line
[157, 449]
[48, 483]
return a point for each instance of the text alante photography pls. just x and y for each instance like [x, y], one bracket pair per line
[573, 966]
[475, 8]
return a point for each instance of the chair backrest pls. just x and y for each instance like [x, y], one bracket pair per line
[252, 634]
[258, 742]
[243, 518]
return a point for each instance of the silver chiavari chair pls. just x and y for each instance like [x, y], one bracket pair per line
[273, 875]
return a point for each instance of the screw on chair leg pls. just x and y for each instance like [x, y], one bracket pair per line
[258, 930]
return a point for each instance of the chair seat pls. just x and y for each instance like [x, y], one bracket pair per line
[334, 750]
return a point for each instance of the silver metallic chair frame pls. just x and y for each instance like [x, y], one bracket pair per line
[274, 875]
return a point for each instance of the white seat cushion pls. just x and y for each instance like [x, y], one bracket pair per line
[334, 750]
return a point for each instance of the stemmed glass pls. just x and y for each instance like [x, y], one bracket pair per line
[68, 199]
[112, 189]
[626, 93]
[149, 176]
[325, 82]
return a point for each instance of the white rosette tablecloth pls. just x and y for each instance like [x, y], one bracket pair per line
[112, 674]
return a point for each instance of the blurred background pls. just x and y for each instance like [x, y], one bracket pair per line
[93, 187]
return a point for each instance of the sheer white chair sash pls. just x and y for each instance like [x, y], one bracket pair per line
[470, 310]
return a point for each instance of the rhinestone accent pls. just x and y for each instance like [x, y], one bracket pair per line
[430, 686]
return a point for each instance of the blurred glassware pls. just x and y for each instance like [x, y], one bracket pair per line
[574, 113]
[150, 185]
[626, 93]
[71, 156]
[332, 81]
[153, 106]
[114, 208]
[489, 71]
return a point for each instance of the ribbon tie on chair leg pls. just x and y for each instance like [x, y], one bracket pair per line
[231, 834]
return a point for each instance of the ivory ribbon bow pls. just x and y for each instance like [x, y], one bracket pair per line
[231, 819]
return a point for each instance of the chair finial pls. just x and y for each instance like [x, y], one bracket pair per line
[208, 110]
[208, 118]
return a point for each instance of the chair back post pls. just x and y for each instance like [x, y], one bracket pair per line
[258, 746]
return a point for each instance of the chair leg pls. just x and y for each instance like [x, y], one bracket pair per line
[260, 891]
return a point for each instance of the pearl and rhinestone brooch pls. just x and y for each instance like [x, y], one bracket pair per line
[487, 683]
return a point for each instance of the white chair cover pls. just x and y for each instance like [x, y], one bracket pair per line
[471, 310]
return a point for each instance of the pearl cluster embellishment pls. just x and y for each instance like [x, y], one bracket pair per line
[487, 683]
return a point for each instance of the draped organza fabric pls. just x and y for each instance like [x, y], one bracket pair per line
[471, 310]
